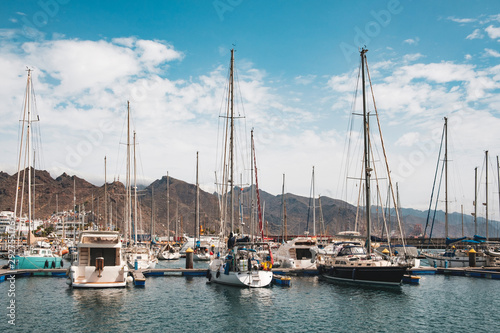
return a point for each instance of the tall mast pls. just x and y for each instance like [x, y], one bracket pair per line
[135, 196]
[21, 148]
[128, 226]
[151, 230]
[314, 204]
[368, 169]
[486, 203]
[498, 176]
[74, 208]
[231, 138]
[197, 209]
[168, 210]
[28, 132]
[253, 191]
[446, 177]
[176, 220]
[475, 202]
[105, 197]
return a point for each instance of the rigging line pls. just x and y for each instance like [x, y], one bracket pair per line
[385, 155]
[220, 134]
[436, 203]
[387, 231]
[347, 142]
[379, 194]
[356, 222]
[434, 183]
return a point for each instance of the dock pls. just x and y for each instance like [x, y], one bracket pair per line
[6, 273]
[139, 276]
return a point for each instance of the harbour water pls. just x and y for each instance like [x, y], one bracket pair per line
[179, 304]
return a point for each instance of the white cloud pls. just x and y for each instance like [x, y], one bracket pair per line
[82, 91]
[305, 79]
[493, 32]
[476, 34]
[492, 53]
[461, 20]
[412, 41]
[412, 57]
[408, 139]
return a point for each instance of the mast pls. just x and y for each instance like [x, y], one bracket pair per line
[446, 177]
[314, 204]
[21, 145]
[176, 221]
[105, 197]
[475, 201]
[28, 132]
[135, 196]
[231, 138]
[368, 169]
[127, 181]
[283, 207]
[498, 177]
[197, 208]
[486, 203]
[74, 208]
[151, 230]
[253, 191]
[168, 210]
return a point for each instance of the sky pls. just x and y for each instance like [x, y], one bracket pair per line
[296, 65]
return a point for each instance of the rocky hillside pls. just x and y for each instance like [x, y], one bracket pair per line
[57, 194]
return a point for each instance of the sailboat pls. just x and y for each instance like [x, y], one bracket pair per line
[138, 256]
[202, 248]
[300, 252]
[451, 256]
[240, 266]
[169, 251]
[34, 257]
[354, 262]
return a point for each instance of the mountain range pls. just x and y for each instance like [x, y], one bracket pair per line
[332, 216]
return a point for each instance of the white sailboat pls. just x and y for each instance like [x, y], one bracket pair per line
[240, 266]
[138, 255]
[453, 257]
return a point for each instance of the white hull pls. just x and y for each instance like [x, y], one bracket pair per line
[245, 279]
[88, 277]
[166, 255]
[297, 253]
[202, 257]
[452, 262]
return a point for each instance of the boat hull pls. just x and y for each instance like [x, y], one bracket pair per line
[88, 277]
[245, 278]
[30, 262]
[169, 255]
[387, 275]
[453, 262]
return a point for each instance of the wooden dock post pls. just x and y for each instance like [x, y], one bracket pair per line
[189, 258]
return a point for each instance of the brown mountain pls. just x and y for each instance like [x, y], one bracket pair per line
[57, 194]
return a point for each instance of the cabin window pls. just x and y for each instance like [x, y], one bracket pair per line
[303, 254]
[109, 256]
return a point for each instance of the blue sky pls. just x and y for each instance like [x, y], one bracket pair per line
[296, 62]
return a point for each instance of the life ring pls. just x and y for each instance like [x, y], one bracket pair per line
[266, 265]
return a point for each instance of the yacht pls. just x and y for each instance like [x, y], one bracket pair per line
[100, 261]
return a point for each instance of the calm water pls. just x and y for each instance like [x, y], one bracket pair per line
[178, 304]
